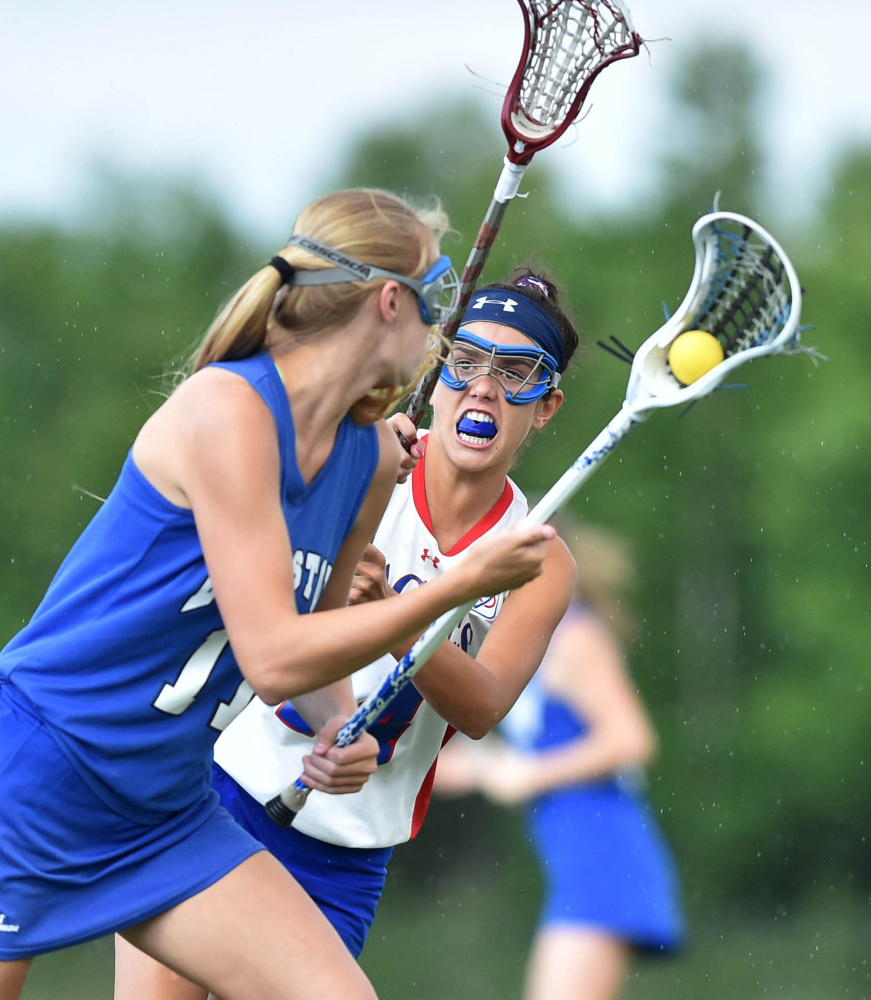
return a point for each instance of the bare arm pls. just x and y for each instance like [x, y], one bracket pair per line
[338, 698]
[589, 673]
[474, 694]
[585, 668]
[224, 464]
[327, 768]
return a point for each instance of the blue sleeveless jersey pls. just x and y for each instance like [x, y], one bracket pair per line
[127, 659]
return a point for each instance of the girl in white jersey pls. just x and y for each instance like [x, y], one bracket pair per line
[500, 385]
[246, 498]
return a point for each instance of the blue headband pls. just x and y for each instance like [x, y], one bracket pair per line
[495, 305]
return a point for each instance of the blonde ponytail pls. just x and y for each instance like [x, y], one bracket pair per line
[375, 227]
[239, 330]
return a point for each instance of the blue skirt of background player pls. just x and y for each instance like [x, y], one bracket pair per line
[604, 860]
[606, 865]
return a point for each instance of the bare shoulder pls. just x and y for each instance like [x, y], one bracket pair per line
[208, 402]
[213, 418]
[584, 646]
[560, 561]
[218, 399]
[546, 598]
[584, 630]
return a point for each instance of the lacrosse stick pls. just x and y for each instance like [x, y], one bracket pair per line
[745, 292]
[566, 45]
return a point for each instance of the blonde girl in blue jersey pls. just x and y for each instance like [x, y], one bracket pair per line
[499, 387]
[246, 499]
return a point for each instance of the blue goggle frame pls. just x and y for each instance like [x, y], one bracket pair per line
[518, 390]
[437, 291]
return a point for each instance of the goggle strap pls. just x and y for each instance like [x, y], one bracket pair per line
[328, 276]
[347, 269]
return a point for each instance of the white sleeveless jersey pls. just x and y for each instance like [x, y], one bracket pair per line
[263, 748]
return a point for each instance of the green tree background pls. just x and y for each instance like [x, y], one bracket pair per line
[747, 517]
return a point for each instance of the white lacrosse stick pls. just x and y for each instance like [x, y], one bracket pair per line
[744, 292]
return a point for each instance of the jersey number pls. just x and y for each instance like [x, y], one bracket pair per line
[178, 697]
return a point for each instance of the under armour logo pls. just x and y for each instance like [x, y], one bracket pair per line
[433, 559]
[482, 300]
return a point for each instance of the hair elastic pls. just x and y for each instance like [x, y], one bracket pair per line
[286, 270]
[530, 281]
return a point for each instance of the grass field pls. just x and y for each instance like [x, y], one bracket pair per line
[427, 954]
[448, 949]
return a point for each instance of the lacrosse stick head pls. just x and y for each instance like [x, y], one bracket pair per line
[744, 292]
[566, 45]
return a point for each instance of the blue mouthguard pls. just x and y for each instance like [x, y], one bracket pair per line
[480, 428]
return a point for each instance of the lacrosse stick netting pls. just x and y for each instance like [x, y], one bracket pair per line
[744, 291]
[567, 45]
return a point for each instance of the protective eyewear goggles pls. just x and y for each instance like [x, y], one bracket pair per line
[438, 291]
[525, 374]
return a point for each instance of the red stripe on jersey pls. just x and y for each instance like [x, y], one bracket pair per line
[421, 803]
[492, 517]
[418, 491]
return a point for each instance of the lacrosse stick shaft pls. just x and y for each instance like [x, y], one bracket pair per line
[565, 48]
[506, 190]
[583, 467]
[284, 807]
[555, 72]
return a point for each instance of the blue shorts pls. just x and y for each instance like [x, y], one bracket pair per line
[344, 882]
[606, 865]
[72, 869]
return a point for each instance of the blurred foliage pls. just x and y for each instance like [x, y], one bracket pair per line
[90, 321]
[716, 113]
[746, 514]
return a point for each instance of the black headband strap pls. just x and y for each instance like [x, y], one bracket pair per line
[286, 270]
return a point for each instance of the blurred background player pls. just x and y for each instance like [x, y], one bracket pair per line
[574, 746]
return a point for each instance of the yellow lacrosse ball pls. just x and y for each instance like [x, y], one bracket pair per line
[693, 354]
